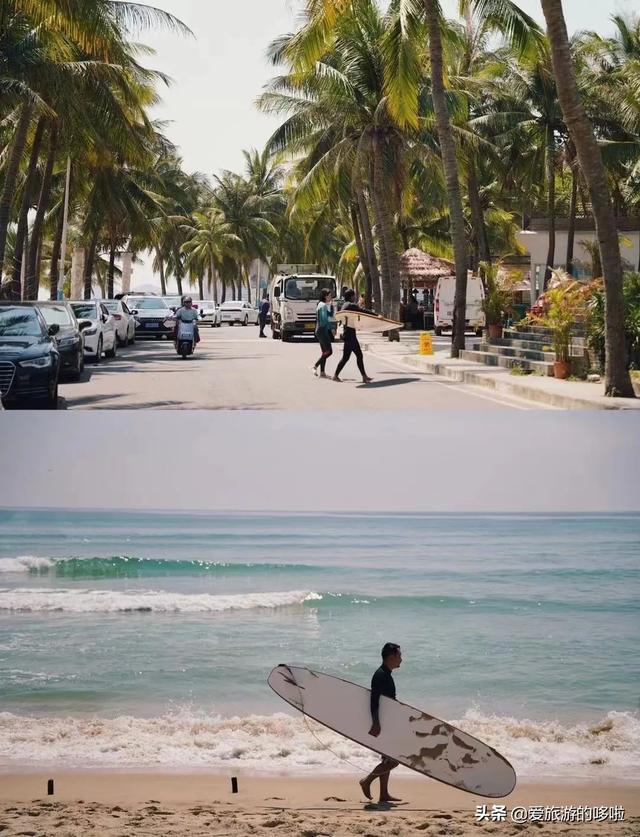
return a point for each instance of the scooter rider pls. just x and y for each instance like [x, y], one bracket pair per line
[187, 314]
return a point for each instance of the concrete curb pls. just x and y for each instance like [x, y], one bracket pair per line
[530, 388]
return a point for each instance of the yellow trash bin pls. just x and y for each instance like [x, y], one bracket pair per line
[426, 343]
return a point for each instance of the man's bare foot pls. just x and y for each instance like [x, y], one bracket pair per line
[388, 798]
[367, 380]
[365, 784]
[322, 375]
[338, 381]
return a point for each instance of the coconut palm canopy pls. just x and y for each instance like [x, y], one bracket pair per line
[397, 130]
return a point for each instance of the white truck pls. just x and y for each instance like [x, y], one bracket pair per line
[294, 294]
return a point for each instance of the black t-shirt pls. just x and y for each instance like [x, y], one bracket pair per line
[381, 684]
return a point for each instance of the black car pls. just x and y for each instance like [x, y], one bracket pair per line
[29, 357]
[69, 338]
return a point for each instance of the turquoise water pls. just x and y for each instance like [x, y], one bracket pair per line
[149, 624]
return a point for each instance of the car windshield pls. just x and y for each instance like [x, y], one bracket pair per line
[56, 315]
[19, 322]
[172, 300]
[85, 311]
[308, 288]
[148, 303]
[112, 305]
[231, 305]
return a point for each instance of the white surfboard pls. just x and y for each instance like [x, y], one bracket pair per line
[412, 737]
[367, 322]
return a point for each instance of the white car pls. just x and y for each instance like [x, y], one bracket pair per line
[125, 321]
[210, 313]
[101, 336]
[238, 311]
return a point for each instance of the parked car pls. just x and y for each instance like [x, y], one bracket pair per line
[210, 313]
[29, 357]
[125, 321]
[69, 338]
[100, 332]
[174, 302]
[153, 315]
[237, 311]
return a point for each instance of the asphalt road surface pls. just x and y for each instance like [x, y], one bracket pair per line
[233, 369]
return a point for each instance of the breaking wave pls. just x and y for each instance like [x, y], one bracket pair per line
[284, 744]
[33, 600]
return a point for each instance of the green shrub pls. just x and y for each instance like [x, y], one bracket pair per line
[631, 293]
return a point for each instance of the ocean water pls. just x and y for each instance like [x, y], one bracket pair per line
[144, 640]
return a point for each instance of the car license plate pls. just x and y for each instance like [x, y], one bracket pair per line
[310, 327]
[151, 325]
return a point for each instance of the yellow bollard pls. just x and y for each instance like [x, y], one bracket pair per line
[426, 343]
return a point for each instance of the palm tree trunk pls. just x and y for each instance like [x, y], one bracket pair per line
[368, 242]
[361, 255]
[54, 272]
[163, 279]
[617, 378]
[475, 202]
[11, 173]
[245, 273]
[111, 274]
[23, 218]
[223, 296]
[213, 279]
[33, 263]
[179, 278]
[88, 265]
[450, 164]
[571, 233]
[388, 256]
[201, 285]
[551, 189]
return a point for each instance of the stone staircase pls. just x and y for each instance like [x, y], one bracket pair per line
[530, 350]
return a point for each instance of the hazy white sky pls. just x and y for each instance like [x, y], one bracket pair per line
[285, 461]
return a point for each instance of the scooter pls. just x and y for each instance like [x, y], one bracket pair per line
[186, 340]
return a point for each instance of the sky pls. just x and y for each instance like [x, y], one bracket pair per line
[209, 110]
[323, 462]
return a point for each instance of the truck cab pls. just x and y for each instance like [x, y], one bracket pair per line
[294, 295]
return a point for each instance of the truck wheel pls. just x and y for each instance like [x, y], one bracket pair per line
[437, 331]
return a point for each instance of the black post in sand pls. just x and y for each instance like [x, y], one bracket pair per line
[234, 785]
[50, 787]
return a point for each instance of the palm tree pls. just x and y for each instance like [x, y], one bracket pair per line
[617, 377]
[210, 242]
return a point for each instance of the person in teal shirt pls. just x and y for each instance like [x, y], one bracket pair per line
[324, 325]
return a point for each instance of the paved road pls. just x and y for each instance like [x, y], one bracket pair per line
[235, 370]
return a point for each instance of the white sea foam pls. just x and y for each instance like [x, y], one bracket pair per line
[285, 744]
[48, 600]
[25, 564]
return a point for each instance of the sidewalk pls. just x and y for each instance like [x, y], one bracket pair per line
[565, 395]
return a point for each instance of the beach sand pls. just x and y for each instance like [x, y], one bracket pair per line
[161, 804]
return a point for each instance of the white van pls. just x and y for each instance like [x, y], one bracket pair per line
[443, 304]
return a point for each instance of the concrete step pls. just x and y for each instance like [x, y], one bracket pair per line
[514, 351]
[490, 359]
[542, 339]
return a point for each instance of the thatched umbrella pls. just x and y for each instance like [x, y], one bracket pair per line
[420, 270]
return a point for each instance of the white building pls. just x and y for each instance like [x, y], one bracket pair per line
[535, 239]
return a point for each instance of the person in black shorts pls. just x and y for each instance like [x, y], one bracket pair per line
[351, 344]
[382, 684]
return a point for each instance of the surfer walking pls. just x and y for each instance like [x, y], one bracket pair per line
[351, 344]
[324, 321]
[382, 684]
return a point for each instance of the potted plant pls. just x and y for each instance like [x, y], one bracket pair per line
[565, 304]
[498, 299]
